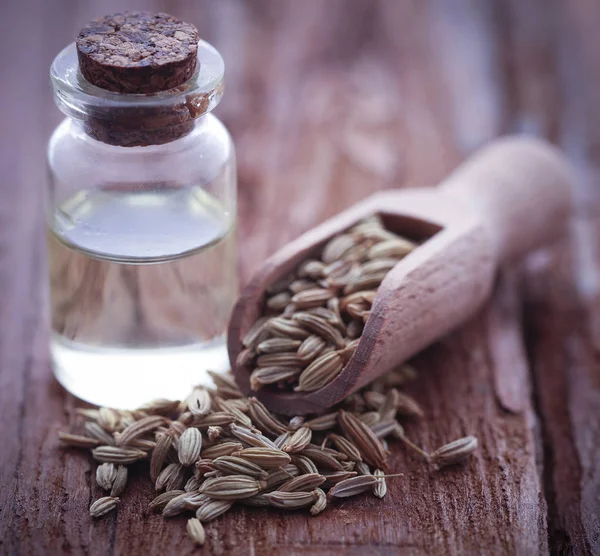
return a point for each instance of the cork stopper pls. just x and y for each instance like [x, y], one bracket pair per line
[137, 52]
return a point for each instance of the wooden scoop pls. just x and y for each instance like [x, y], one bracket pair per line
[507, 199]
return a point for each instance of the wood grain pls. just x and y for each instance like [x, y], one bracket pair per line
[329, 101]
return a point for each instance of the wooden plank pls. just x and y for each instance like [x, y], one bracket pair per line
[327, 102]
[556, 63]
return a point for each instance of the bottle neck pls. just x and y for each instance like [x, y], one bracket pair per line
[128, 120]
[137, 128]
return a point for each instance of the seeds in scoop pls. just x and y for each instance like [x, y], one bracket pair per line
[278, 360]
[103, 505]
[369, 282]
[279, 301]
[354, 329]
[454, 452]
[363, 297]
[328, 316]
[337, 247]
[301, 285]
[195, 531]
[245, 357]
[299, 440]
[315, 297]
[311, 269]
[320, 327]
[339, 270]
[213, 509]
[120, 481]
[231, 487]
[278, 345]
[320, 372]
[287, 329]
[310, 348]
[271, 375]
[114, 454]
[378, 265]
[77, 441]
[363, 438]
[189, 446]
[393, 248]
[280, 286]
[379, 489]
[352, 264]
[334, 306]
[254, 332]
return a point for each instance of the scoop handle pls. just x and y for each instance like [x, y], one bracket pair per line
[521, 190]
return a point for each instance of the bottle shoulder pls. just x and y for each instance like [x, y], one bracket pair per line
[74, 155]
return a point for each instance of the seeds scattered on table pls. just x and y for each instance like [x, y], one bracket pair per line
[217, 448]
[103, 506]
[196, 531]
[454, 452]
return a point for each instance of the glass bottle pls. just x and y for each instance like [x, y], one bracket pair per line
[141, 212]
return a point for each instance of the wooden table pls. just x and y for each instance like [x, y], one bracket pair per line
[329, 100]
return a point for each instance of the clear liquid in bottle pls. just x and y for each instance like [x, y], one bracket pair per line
[142, 286]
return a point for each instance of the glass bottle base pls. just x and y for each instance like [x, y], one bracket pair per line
[127, 378]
